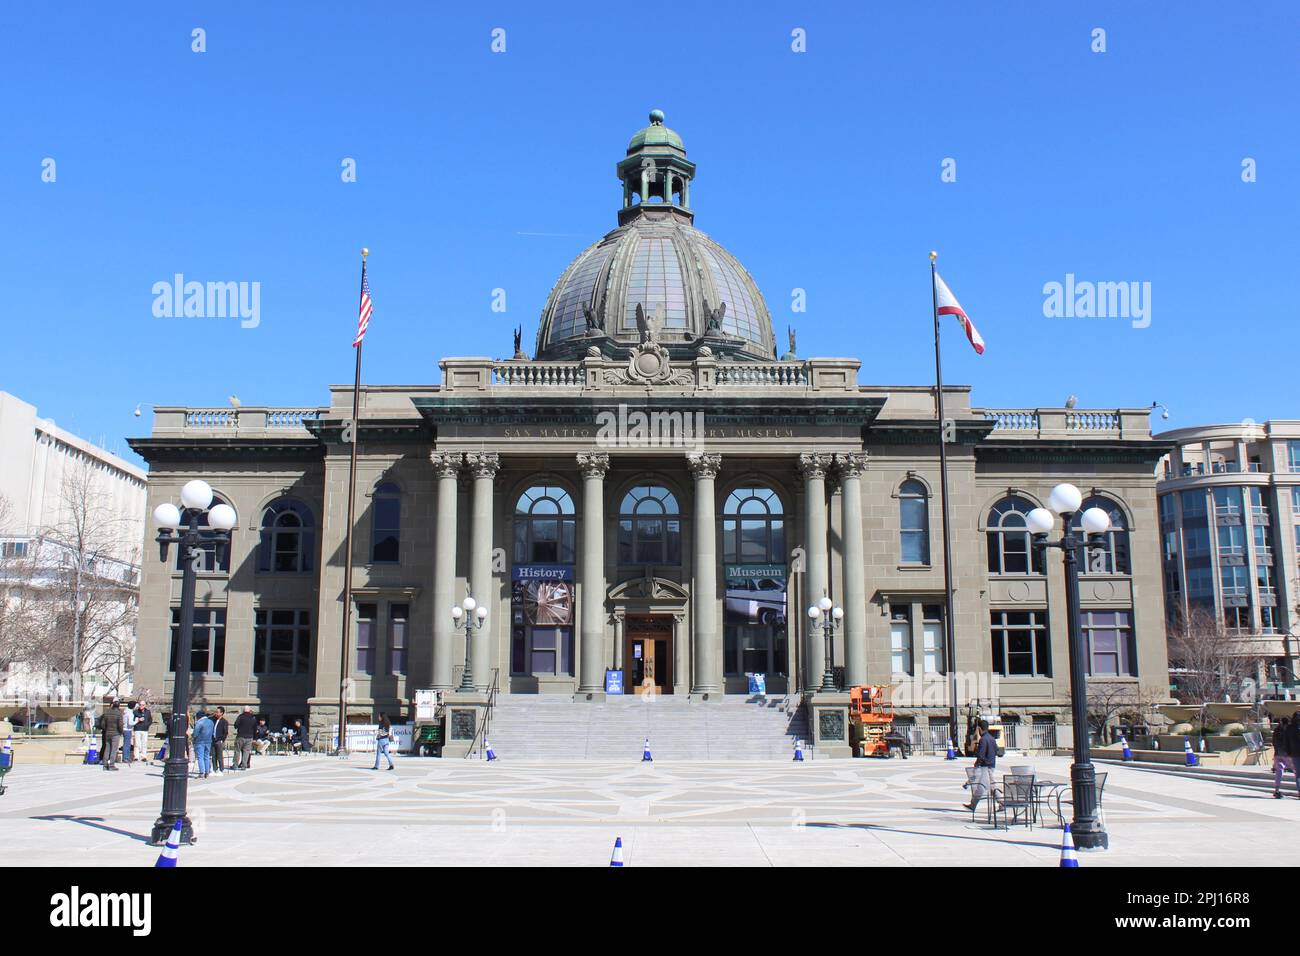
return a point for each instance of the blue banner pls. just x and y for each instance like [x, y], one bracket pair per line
[542, 572]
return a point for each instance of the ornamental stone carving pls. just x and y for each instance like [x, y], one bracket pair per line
[649, 365]
[704, 466]
[594, 465]
[851, 465]
[447, 464]
[814, 466]
[483, 464]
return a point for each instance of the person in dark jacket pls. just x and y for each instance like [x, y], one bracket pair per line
[220, 731]
[245, 730]
[112, 735]
[1286, 747]
[986, 759]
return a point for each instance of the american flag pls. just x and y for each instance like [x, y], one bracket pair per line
[367, 307]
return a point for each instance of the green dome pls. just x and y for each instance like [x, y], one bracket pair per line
[656, 134]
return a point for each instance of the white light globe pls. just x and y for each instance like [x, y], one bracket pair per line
[1040, 521]
[469, 603]
[837, 613]
[824, 603]
[456, 612]
[1096, 521]
[1065, 498]
[167, 515]
[222, 517]
[814, 612]
[480, 612]
[196, 494]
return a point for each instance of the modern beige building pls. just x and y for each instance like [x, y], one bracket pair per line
[653, 495]
[1230, 532]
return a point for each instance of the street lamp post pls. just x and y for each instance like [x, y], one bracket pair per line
[474, 614]
[1065, 501]
[817, 614]
[196, 497]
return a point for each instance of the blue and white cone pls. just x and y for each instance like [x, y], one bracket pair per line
[798, 751]
[1068, 859]
[952, 753]
[1128, 753]
[92, 751]
[487, 746]
[162, 752]
[617, 858]
[9, 746]
[645, 753]
[1188, 754]
[168, 855]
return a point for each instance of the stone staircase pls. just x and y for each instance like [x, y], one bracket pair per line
[555, 727]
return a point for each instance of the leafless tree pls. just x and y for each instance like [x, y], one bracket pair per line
[1125, 701]
[1207, 662]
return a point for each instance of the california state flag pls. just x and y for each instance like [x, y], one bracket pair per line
[948, 305]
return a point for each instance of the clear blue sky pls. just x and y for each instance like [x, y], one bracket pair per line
[818, 170]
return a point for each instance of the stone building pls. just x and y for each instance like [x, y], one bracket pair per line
[1229, 500]
[653, 493]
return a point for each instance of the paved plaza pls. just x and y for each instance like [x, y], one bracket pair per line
[317, 810]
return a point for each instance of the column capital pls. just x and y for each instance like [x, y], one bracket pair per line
[483, 464]
[446, 464]
[851, 465]
[814, 466]
[594, 465]
[703, 465]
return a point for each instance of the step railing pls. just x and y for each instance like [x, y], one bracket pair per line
[481, 734]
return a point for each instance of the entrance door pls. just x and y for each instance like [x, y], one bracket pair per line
[649, 656]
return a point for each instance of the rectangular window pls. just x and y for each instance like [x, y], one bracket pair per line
[281, 641]
[914, 537]
[1167, 505]
[366, 616]
[1109, 638]
[1232, 541]
[398, 615]
[1238, 618]
[1021, 644]
[1234, 581]
[1268, 620]
[900, 640]
[1293, 455]
[1227, 501]
[208, 649]
[932, 639]
[1193, 503]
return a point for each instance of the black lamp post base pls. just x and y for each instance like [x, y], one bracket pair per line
[1090, 839]
[163, 827]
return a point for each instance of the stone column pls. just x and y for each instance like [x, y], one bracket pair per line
[704, 569]
[813, 468]
[446, 467]
[591, 651]
[483, 467]
[668, 187]
[850, 469]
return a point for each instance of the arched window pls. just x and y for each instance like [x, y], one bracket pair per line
[545, 528]
[1114, 557]
[914, 522]
[1010, 548]
[386, 524]
[753, 527]
[648, 531]
[209, 561]
[287, 538]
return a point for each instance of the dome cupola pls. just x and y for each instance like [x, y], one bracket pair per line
[691, 291]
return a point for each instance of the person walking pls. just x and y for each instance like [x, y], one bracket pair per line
[1286, 748]
[986, 759]
[220, 733]
[126, 723]
[142, 718]
[383, 738]
[112, 735]
[203, 730]
[245, 731]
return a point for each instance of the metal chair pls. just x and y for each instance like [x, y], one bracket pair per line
[1066, 795]
[1017, 798]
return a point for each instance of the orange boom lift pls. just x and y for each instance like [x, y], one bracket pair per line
[871, 719]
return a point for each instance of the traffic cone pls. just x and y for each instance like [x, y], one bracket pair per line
[9, 746]
[798, 751]
[617, 858]
[92, 751]
[645, 754]
[1192, 759]
[952, 753]
[168, 855]
[1128, 754]
[487, 746]
[1068, 858]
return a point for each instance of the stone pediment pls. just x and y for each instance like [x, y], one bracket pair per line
[648, 589]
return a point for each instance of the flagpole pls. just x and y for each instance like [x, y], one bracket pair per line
[949, 642]
[344, 650]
